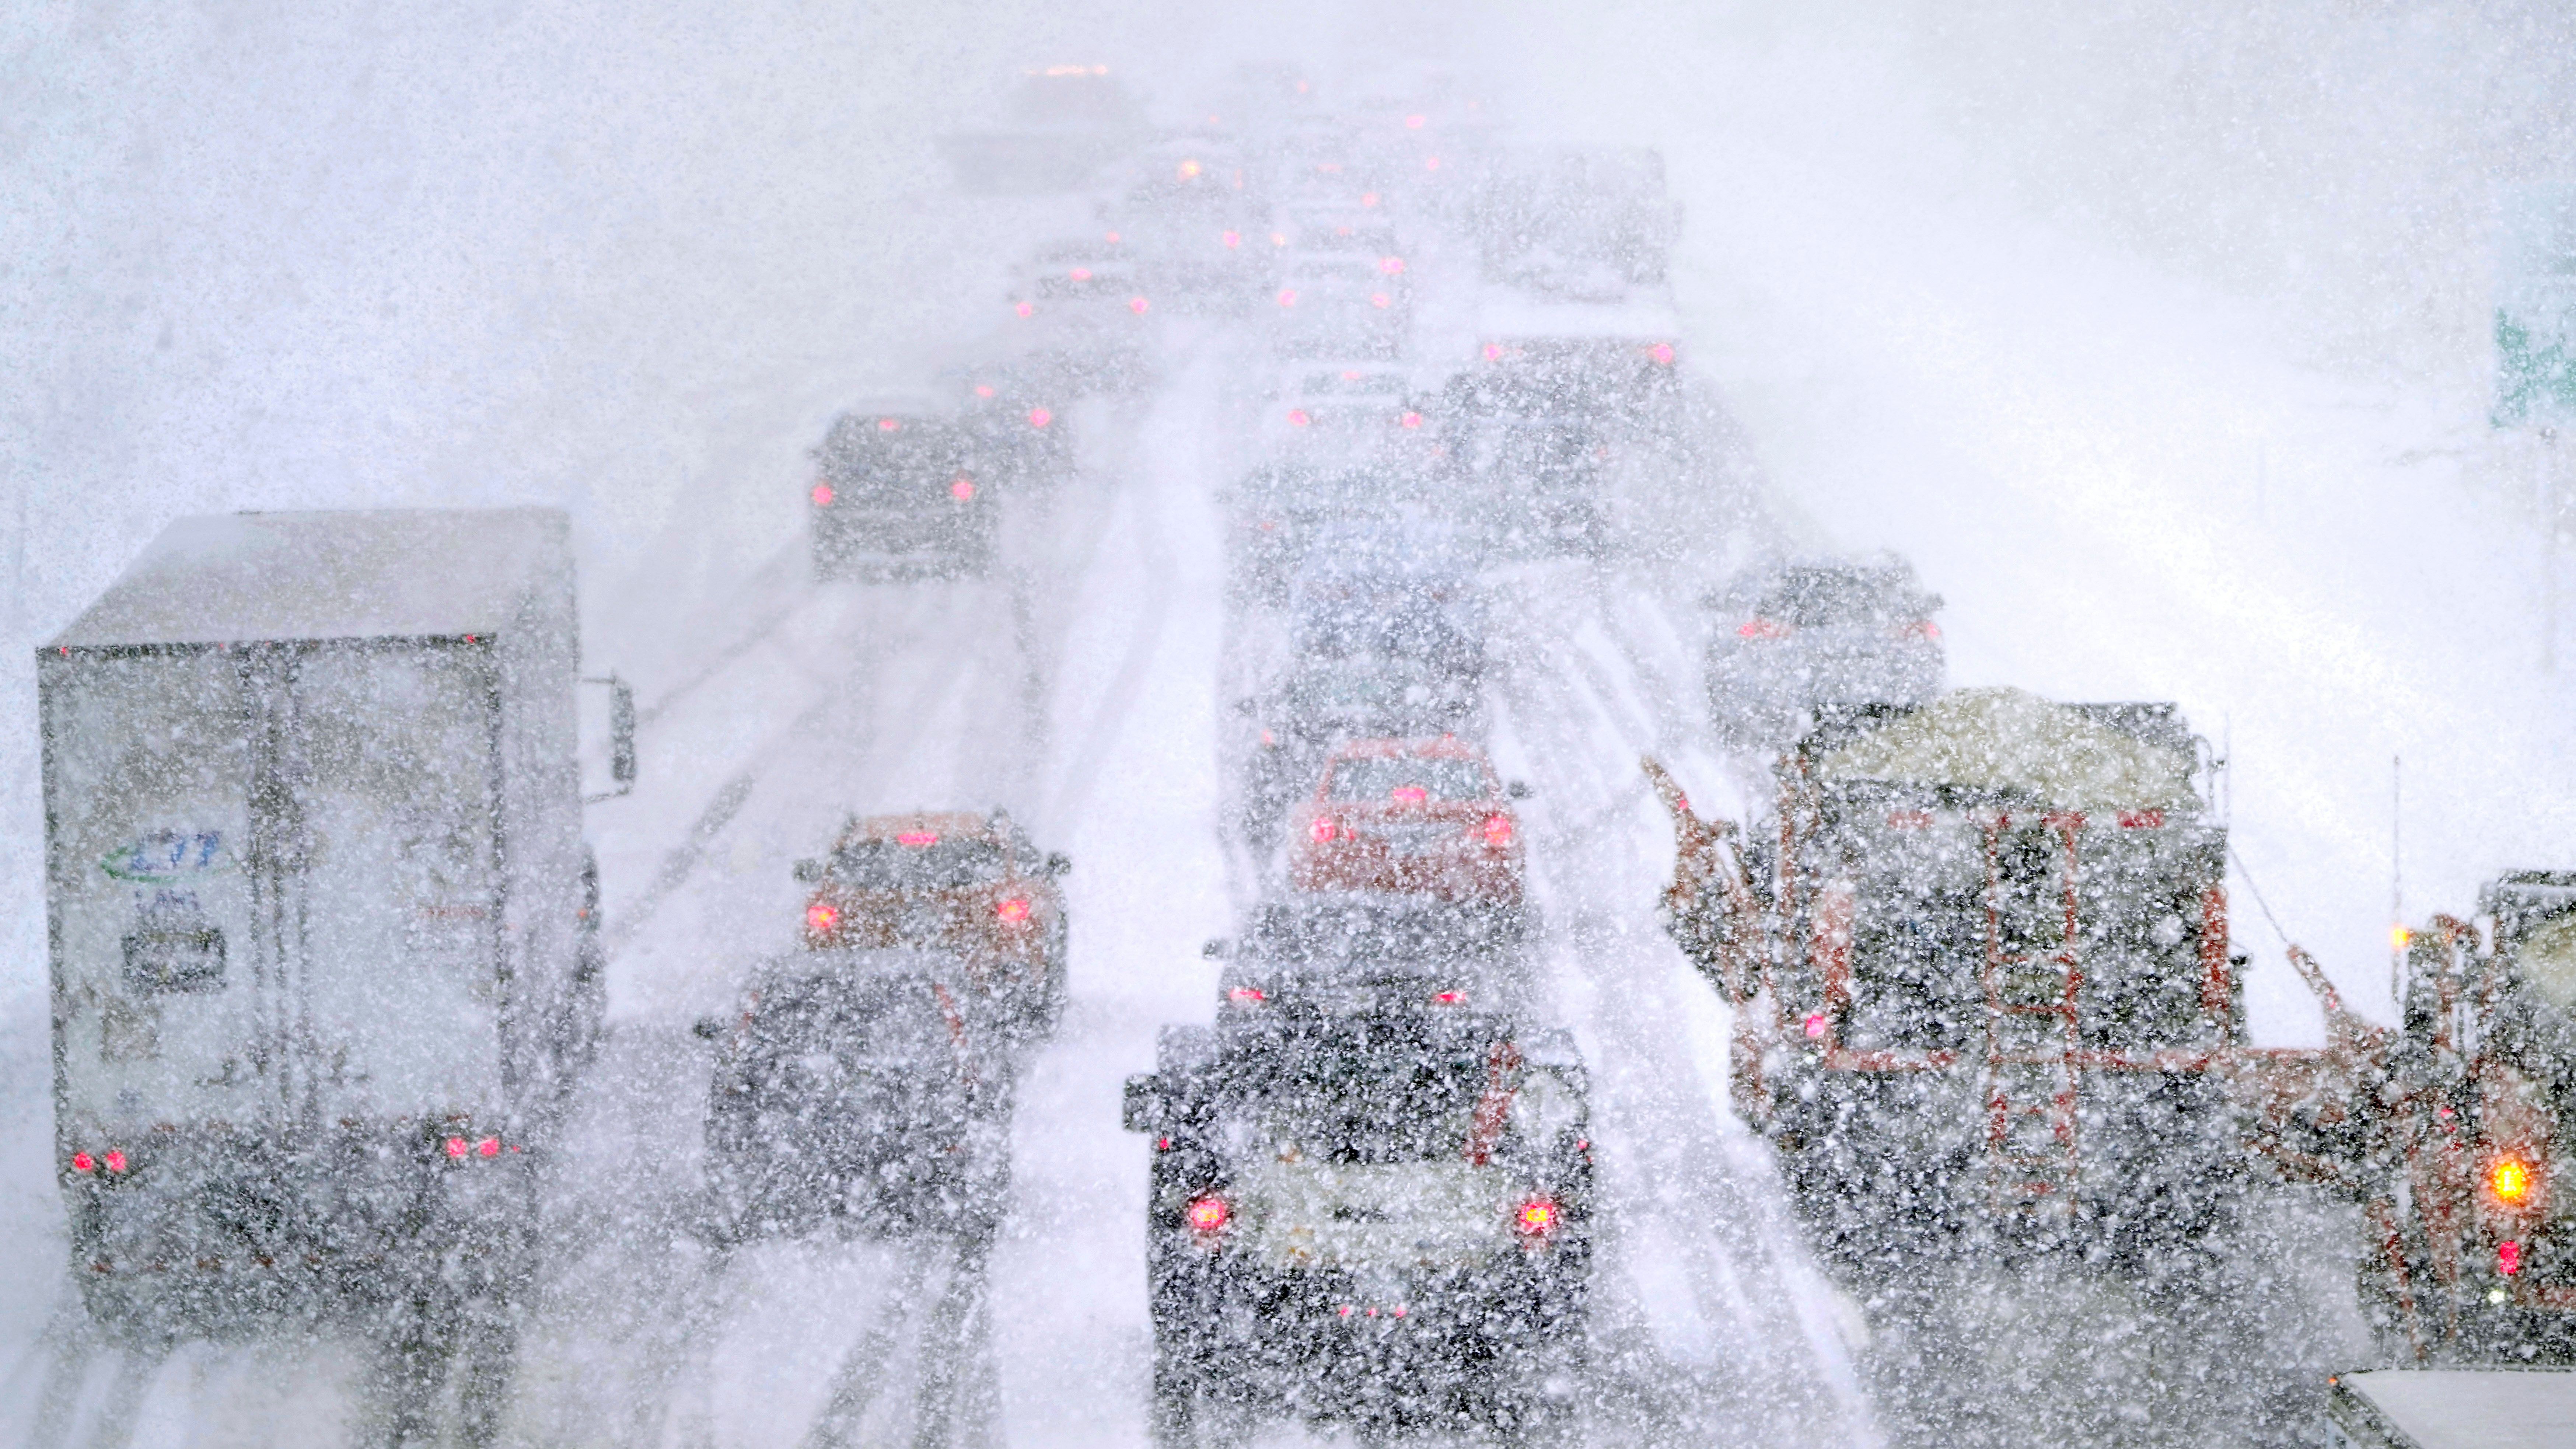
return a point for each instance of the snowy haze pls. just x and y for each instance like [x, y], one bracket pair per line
[2155, 335]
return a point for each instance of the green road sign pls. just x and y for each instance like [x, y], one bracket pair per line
[2535, 315]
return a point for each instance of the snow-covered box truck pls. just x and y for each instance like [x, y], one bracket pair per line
[321, 917]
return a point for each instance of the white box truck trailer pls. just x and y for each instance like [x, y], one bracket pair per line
[322, 922]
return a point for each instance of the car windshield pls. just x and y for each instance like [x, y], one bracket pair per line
[1377, 777]
[926, 861]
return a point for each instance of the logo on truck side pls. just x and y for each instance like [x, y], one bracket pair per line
[168, 857]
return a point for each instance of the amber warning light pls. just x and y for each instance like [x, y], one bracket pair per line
[2511, 1180]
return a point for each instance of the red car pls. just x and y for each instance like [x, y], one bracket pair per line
[1423, 817]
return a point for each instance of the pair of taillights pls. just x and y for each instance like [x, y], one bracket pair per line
[961, 488]
[112, 1161]
[1497, 830]
[1760, 628]
[823, 919]
[459, 1148]
[1255, 996]
[1535, 1220]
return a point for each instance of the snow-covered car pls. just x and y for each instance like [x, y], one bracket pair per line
[966, 884]
[903, 491]
[1197, 226]
[1330, 416]
[1290, 727]
[1397, 582]
[1787, 641]
[1342, 304]
[1078, 309]
[865, 1089]
[1421, 817]
[1379, 1218]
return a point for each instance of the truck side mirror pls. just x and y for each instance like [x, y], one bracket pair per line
[707, 1028]
[1517, 789]
[1147, 1106]
[1058, 863]
[809, 871]
[621, 737]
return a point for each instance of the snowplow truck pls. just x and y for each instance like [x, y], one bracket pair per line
[1978, 959]
[2450, 1132]
[322, 923]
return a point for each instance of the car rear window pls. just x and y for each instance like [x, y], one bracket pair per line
[1370, 1092]
[938, 863]
[1822, 598]
[1367, 778]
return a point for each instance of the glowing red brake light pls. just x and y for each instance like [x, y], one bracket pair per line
[82, 1162]
[821, 919]
[1014, 909]
[1390, 265]
[1022, 308]
[2142, 819]
[115, 1160]
[983, 389]
[1411, 420]
[1040, 417]
[1298, 418]
[456, 1147]
[822, 495]
[1537, 1218]
[1324, 828]
[1208, 1214]
[1409, 794]
[1450, 998]
[2508, 1258]
[1764, 629]
[1080, 274]
[1922, 629]
[1287, 296]
[1231, 238]
[962, 490]
[889, 425]
[1246, 995]
[917, 838]
[488, 1147]
[1662, 353]
[1137, 305]
[1379, 299]
[1498, 830]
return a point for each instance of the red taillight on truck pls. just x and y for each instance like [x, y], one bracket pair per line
[1014, 910]
[1763, 629]
[1323, 829]
[1208, 1215]
[456, 1147]
[821, 919]
[822, 495]
[1537, 1218]
[115, 1160]
[83, 1162]
[1498, 830]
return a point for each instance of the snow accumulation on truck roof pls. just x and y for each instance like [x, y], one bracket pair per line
[373, 574]
[2016, 745]
[2450, 1408]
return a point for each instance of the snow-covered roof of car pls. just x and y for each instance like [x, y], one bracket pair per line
[2019, 745]
[374, 574]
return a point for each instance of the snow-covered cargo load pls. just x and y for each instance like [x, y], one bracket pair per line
[1980, 966]
[2448, 1408]
[322, 920]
